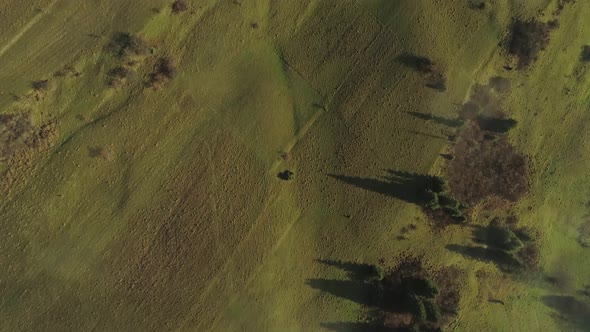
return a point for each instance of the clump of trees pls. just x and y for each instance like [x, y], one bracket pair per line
[528, 39]
[410, 298]
[164, 72]
[507, 240]
[439, 199]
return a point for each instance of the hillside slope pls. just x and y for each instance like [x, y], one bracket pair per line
[160, 209]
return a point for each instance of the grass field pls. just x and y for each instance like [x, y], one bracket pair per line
[160, 209]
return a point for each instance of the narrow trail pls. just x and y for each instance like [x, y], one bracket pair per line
[26, 28]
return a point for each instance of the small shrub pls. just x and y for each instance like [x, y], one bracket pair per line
[101, 152]
[40, 86]
[529, 256]
[117, 76]
[179, 6]
[286, 175]
[420, 287]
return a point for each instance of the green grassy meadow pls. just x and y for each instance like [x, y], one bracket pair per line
[184, 225]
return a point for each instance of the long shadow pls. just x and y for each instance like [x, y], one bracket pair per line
[359, 292]
[504, 261]
[415, 62]
[408, 187]
[574, 311]
[358, 327]
[453, 123]
[355, 271]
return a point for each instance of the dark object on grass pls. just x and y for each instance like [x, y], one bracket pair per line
[528, 39]
[585, 56]
[418, 63]
[117, 76]
[286, 175]
[179, 6]
[498, 237]
[484, 168]
[447, 156]
[496, 125]
[496, 301]
[437, 82]
[165, 71]
[124, 44]
[41, 85]
[477, 4]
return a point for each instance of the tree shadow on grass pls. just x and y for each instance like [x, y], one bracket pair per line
[453, 123]
[359, 292]
[504, 261]
[571, 310]
[408, 187]
[415, 62]
[357, 327]
[355, 271]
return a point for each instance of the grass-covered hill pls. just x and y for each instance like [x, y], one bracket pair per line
[231, 165]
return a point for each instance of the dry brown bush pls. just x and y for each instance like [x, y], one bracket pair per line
[484, 167]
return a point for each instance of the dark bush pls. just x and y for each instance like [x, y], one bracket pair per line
[117, 76]
[164, 72]
[420, 287]
[179, 6]
[498, 237]
[41, 85]
[529, 256]
[528, 39]
[415, 306]
[496, 125]
[124, 44]
[585, 56]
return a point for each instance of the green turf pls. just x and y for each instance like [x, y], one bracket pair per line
[187, 226]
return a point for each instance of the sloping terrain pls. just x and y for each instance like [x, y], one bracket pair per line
[147, 207]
